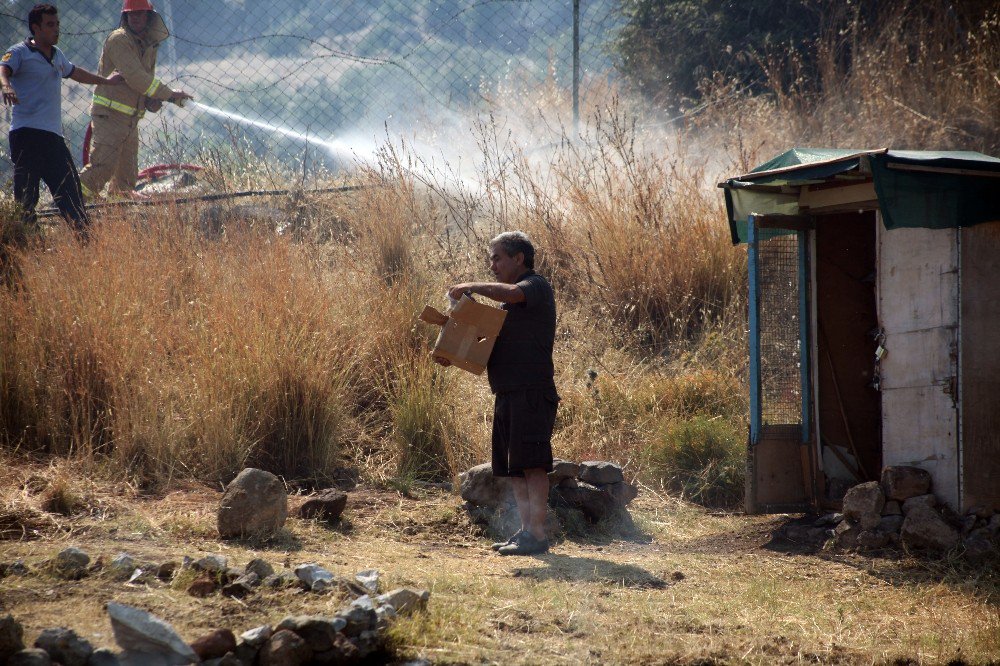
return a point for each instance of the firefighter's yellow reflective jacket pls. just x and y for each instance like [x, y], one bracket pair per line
[135, 58]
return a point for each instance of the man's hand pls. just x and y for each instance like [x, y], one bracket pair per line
[9, 96]
[115, 79]
[153, 105]
[456, 291]
[179, 97]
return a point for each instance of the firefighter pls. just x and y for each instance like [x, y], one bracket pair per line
[116, 110]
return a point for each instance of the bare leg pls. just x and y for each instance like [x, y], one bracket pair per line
[536, 482]
[520, 488]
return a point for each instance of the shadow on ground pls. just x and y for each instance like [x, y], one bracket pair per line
[553, 566]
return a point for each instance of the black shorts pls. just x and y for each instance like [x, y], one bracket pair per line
[522, 430]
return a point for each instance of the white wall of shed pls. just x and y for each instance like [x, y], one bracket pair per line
[918, 301]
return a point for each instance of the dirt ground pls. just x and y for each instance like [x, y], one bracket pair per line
[689, 586]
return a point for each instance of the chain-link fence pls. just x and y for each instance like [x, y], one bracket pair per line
[283, 75]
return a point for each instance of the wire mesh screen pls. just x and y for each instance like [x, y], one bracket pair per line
[780, 360]
[284, 76]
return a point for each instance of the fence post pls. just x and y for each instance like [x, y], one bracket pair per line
[576, 66]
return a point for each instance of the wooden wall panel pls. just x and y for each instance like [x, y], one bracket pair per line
[980, 365]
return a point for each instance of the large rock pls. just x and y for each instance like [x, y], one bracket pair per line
[595, 503]
[481, 488]
[903, 482]
[215, 644]
[863, 503]
[925, 528]
[284, 648]
[599, 472]
[405, 600]
[326, 505]
[71, 563]
[64, 646]
[319, 633]
[562, 469]
[146, 638]
[11, 637]
[29, 657]
[255, 503]
[928, 501]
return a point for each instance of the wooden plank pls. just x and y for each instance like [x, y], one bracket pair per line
[836, 196]
[918, 310]
[980, 366]
[958, 172]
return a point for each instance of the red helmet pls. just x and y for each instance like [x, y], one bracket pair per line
[137, 6]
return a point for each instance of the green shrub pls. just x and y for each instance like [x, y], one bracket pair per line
[702, 459]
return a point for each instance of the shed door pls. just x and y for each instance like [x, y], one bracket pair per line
[779, 464]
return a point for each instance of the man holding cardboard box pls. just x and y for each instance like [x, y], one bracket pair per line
[521, 376]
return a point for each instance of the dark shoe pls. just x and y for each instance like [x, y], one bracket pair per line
[525, 544]
[500, 544]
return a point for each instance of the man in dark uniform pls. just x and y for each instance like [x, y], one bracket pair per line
[521, 374]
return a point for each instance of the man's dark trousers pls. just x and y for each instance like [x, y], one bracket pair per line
[39, 155]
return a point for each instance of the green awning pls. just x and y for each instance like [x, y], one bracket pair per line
[931, 189]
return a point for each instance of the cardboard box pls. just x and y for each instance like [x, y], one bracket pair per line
[468, 333]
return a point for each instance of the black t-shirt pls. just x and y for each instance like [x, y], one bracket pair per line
[522, 354]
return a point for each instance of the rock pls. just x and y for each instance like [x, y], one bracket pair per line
[892, 508]
[600, 473]
[71, 563]
[903, 482]
[596, 504]
[11, 637]
[103, 657]
[968, 523]
[623, 492]
[283, 579]
[215, 644]
[366, 642]
[890, 524]
[479, 487]
[359, 616]
[122, 566]
[981, 511]
[863, 503]
[829, 519]
[405, 600]
[256, 636]
[368, 579]
[979, 549]
[29, 657]
[242, 586]
[872, 539]
[228, 659]
[284, 648]
[64, 646]
[924, 528]
[562, 469]
[928, 501]
[215, 565]
[319, 633]
[165, 571]
[343, 651]
[262, 568]
[994, 525]
[568, 483]
[314, 577]
[139, 632]
[203, 586]
[254, 504]
[327, 505]
[846, 533]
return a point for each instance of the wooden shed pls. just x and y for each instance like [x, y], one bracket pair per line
[874, 322]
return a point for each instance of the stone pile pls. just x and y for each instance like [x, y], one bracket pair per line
[595, 489]
[354, 633]
[902, 511]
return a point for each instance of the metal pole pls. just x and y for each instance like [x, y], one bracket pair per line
[576, 66]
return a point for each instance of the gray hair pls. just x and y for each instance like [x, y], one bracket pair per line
[513, 242]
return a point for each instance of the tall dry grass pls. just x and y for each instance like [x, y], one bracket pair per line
[154, 352]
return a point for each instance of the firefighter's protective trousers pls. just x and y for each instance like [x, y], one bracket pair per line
[113, 154]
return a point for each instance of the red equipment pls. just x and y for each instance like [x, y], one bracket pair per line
[137, 6]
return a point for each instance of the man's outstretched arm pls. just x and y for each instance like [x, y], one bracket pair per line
[497, 291]
[80, 75]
